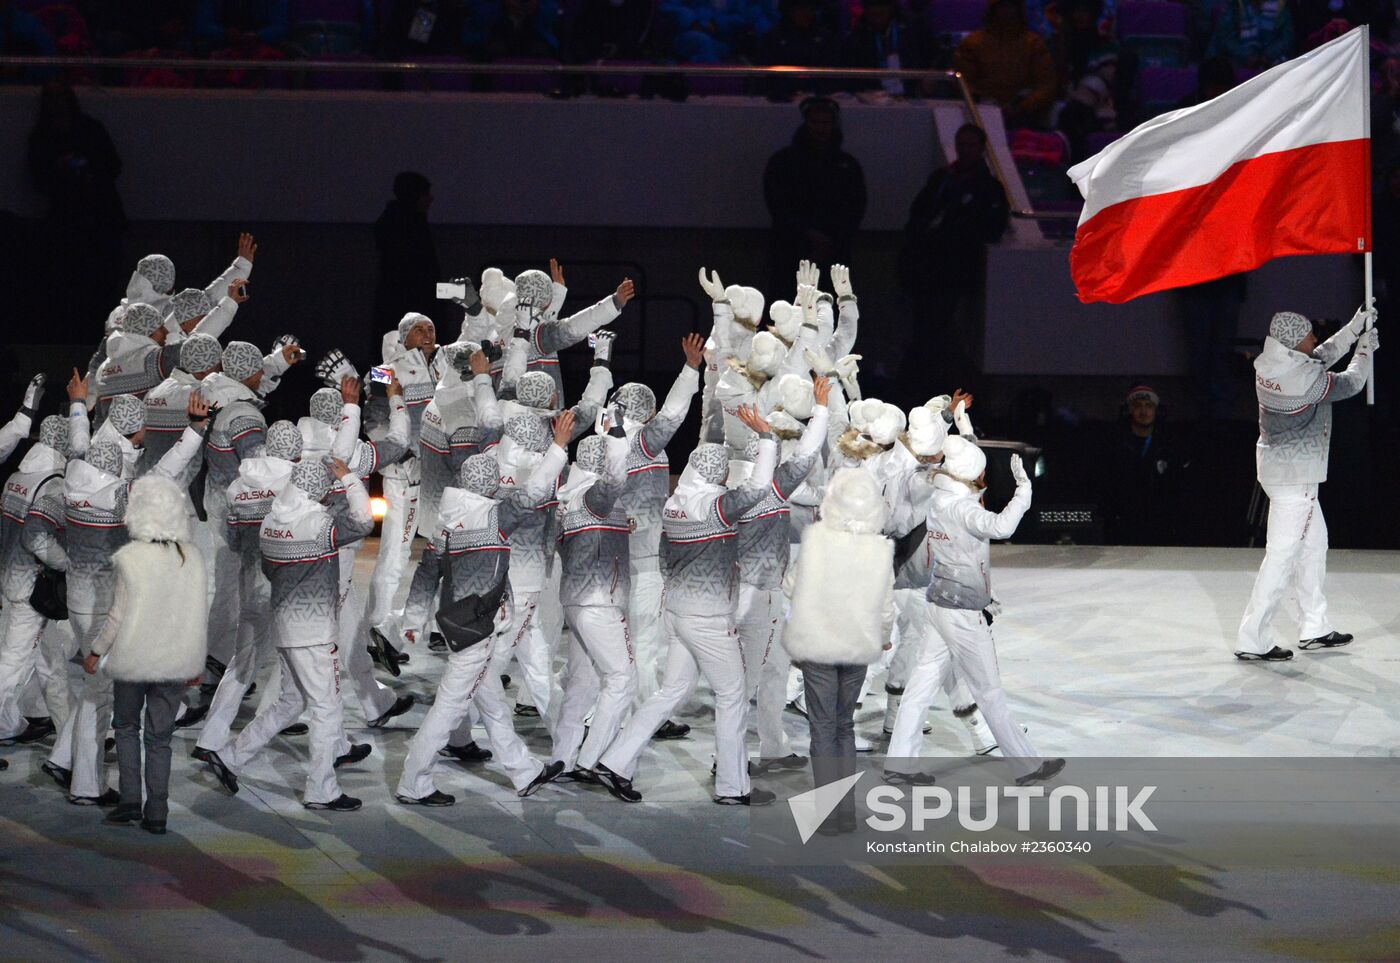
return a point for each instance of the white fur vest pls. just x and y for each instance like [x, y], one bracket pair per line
[842, 597]
[161, 636]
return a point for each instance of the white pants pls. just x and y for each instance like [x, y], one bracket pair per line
[79, 746]
[375, 698]
[310, 679]
[525, 641]
[961, 638]
[224, 606]
[766, 664]
[699, 643]
[600, 658]
[401, 485]
[252, 651]
[468, 680]
[1295, 558]
[644, 624]
[27, 651]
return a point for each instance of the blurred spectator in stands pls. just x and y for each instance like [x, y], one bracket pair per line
[1254, 34]
[155, 26]
[611, 30]
[1081, 33]
[517, 35]
[816, 196]
[1049, 17]
[961, 209]
[22, 35]
[1315, 15]
[408, 262]
[1143, 477]
[1090, 108]
[74, 165]
[1385, 114]
[714, 31]
[415, 28]
[800, 40]
[883, 38]
[1010, 65]
[1214, 76]
[238, 24]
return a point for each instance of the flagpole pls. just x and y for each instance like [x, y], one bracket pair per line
[1370, 282]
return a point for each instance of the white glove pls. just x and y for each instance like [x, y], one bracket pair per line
[713, 286]
[807, 301]
[938, 403]
[1369, 341]
[841, 281]
[808, 274]
[994, 607]
[1365, 313]
[846, 370]
[819, 361]
[34, 392]
[1018, 472]
[961, 419]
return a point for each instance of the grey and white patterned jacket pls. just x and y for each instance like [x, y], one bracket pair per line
[167, 417]
[1296, 393]
[764, 531]
[593, 530]
[548, 337]
[446, 439]
[649, 470]
[301, 559]
[236, 432]
[700, 548]
[40, 477]
[260, 480]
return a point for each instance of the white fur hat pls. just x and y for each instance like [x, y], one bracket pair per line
[886, 424]
[860, 413]
[786, 318]
[795, 392]
[158, 510]
[852, 502]
[927, 431]
[747, 302]
[766, 354]
[495, 288]
[962, 459]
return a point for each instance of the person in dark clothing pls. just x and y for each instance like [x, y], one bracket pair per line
[74, 165]
[961, 209]
[885, 39]
[414, 27]
[1143, 483]
[815, 193]
[799, 40]
[605, 30]
[1211, 314]
[517, 34]
[408, 262]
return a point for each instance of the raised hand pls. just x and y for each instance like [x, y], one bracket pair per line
[821, 389]
[237, 291]
[1018, 472]
[479, 363]
[395, 387]
[556, 271]
[841, 281]
[564, 427]
[808, 274]
[625, 292]
[350, 390]
[694, 347]
[713, 286]
[247, 247]
[77, 387]
[749, 415]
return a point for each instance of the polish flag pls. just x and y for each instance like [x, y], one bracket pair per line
[1279, 165]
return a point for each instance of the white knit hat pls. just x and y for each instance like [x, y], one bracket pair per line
[927, 431]
[127, 414]
[242, 360]
[141, 319]
[200, 353]
[283, 441]
[410, 321]
[159, 270]
[766, 354]
[534, 289]
[1289, 328]
[962, 459]
[535, 389]
[795, 392]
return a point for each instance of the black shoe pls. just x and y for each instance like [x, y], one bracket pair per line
[58, 774]
[358, 753]
[109, 745]
[295, 729]
[908, 778]
[214, 670]
[894, 690]
[220, 769]
[249, 692]
[671, 730]
[4, 764]
[38, 720]
[32, 732]
[341, 804]
[505, 681]
[153, 827]
[791, 761]
[124, 813]
[379, 648]
[193, 717]
[714, 767]
[754, 797]
[579, 774]
[399, 656]
[1276, 654]
[437, 642]
[1332, 640]
[471, 752]
[617, 786]
[1048, 770]
[524, 710]
[401, 705]
[434, 798]
[548, 774]
[108, 799]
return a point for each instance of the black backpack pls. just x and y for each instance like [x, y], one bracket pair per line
[470, 619]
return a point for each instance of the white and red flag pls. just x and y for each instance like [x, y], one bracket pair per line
[1279, 165]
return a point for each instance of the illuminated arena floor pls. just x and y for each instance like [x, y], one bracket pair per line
[1105, 652]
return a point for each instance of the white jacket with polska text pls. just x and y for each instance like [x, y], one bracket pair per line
[960, 532]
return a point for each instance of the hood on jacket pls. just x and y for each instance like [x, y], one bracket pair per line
[86, 483]
[219, 390]
[158, 511]
[317, 437]
[1288, 380]
[41, 459]
[462, 509]
[265, 471]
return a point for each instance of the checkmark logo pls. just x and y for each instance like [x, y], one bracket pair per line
[810, 809]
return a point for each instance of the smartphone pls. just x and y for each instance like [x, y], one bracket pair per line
[449, 290]
[381, 375]
[243, 290]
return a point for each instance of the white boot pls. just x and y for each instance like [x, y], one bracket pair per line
[983, 742]
[892, 701]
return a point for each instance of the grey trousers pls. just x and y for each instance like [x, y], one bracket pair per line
[161, 701]
[832, 694]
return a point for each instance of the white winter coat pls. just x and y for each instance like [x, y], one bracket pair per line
[842, 587]
[156, 626]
